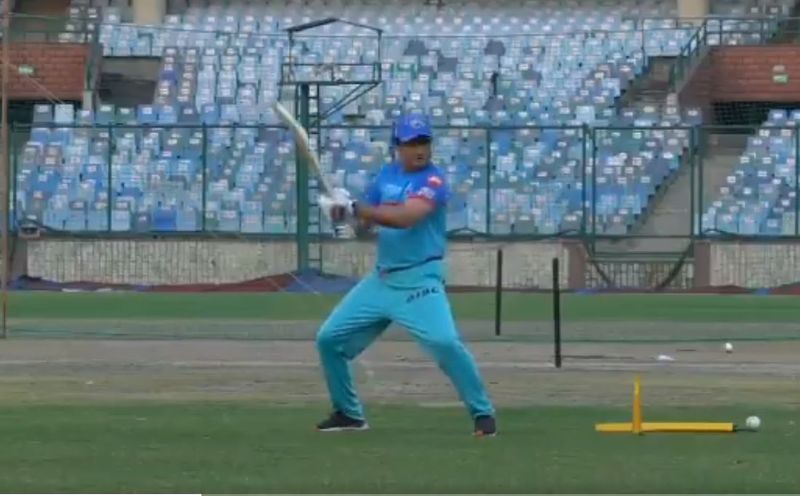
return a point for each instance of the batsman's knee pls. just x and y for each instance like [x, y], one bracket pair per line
[325, 338]
[443, 345]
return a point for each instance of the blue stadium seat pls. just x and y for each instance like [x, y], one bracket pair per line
[210, 76]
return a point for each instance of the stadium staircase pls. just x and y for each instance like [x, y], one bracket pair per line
[660, 260]
[665, 262]
[652, 86]
[665, 213]
[690, 57]
[639, 261]
[671, 214]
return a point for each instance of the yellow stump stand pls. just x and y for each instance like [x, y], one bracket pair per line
[639, 426]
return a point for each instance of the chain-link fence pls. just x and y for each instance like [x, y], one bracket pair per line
[506, 181]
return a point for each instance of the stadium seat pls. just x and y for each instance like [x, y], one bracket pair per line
[759, 197]
[221, 65]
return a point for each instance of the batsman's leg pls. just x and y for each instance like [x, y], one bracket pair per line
[352, 326]
[425, 312]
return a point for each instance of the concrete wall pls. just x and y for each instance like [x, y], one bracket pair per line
[60, 68]
[693, 10]
[527, 264]
[149, 11]
[753, 265]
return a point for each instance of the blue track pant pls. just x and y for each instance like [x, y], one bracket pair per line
[415, 301]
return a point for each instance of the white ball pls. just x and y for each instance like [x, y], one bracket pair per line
[753, 422]
[728, 348]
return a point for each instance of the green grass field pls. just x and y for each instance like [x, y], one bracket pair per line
[516, 306]
[246, 448]
[159, 444]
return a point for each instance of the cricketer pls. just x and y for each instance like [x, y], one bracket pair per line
[406, 204]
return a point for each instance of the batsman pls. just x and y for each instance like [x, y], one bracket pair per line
[407, 205]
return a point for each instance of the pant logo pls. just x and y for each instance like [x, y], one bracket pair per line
[422, 293]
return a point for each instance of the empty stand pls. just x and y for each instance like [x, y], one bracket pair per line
[207, 153]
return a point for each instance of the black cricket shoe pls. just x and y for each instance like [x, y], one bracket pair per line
[339, 422]
[485, 426]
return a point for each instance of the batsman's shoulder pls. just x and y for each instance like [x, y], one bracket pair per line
[387, 169]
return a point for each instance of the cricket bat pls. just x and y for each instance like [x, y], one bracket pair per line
[303, 144]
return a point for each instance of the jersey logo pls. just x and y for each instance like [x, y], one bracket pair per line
[435, 181]
[416, 123]
[421, 293]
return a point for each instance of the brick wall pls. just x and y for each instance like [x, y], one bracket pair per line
[744, 74]
[59, 67]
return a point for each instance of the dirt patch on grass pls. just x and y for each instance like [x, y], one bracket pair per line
[286, 371]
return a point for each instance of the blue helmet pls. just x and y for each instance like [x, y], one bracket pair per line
[411, 126]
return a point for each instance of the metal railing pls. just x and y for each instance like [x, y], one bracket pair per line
[43, 28]
[582, 185]
[47, 29]
[716, 32]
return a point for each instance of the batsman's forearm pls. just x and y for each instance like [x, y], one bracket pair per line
[363, 228]
[396, 216]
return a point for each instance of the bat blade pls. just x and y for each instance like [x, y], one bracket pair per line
[303, 143]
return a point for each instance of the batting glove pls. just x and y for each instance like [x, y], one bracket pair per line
[343, 231]
[338, 205]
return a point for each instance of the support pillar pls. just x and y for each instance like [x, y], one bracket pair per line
[693, 10]
[149, 11]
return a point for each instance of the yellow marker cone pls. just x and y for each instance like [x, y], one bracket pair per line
[637, 406]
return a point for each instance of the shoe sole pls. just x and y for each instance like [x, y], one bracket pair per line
[484, 434]
[364, 427]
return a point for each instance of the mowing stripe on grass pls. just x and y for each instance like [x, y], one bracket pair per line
[475, 306]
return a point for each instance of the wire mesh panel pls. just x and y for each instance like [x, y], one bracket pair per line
[463, 153]
[537, 180]
[645, 271]
[749, 179]
[633, 168]
[23, 162]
